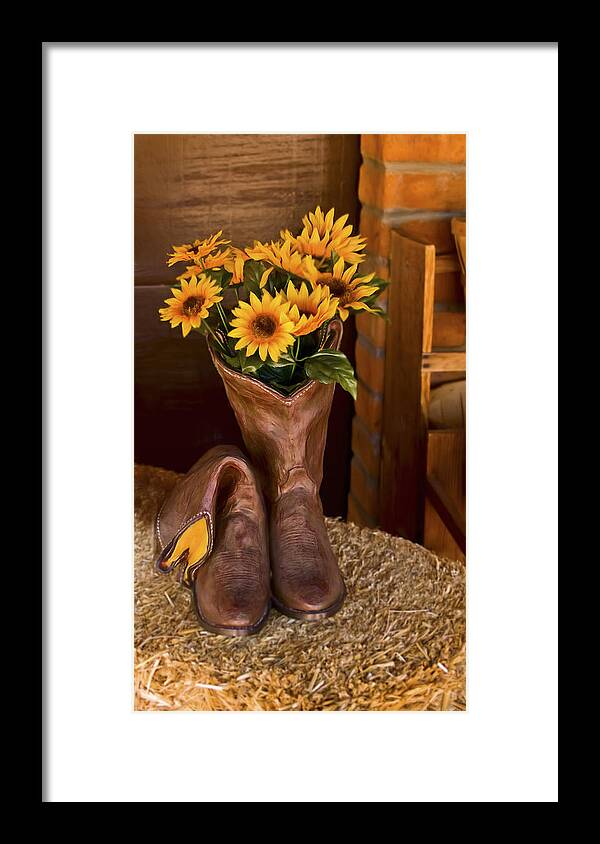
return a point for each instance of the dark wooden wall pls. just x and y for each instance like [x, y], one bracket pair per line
[189, 186]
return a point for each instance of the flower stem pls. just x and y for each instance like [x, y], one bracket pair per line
[223, 317]
[295, 350]
[225, 323]
[215, 338]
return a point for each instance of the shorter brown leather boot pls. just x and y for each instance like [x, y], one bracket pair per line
[212, 528]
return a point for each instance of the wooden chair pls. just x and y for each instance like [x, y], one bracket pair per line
[422, 477]
[459, 232]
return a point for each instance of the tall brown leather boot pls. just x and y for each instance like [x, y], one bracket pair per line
[285, 438]
[212, 528]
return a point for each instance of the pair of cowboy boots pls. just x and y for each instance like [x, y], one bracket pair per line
[237, 555]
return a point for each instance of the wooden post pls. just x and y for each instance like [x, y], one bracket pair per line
[406, 391]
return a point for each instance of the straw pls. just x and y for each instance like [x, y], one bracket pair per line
[397, 644]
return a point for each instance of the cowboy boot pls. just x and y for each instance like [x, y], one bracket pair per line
[212, 529]
[285, 438]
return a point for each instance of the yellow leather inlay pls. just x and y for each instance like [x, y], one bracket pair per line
[190, 548]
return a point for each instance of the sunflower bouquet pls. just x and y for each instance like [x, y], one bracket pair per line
[265, 309]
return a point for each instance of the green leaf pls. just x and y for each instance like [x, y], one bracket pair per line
[239, 361]
[233, 362]
[285, 359]
[253, 271]
[278, 279]
[218, 275]
[250, 365]
[330, 366]
[286, 389]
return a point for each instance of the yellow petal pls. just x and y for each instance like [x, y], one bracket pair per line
[242, 343]
[349, 272]
[339, 224]
[265, 276]
[361, 306]
[365, 279]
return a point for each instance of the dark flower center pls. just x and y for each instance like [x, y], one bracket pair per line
[336, 287]
[340, 289]
[193, 305]
[264, 326]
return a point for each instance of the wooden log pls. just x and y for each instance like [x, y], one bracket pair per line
[444, 362]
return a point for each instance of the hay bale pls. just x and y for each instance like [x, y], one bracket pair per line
[397, 644]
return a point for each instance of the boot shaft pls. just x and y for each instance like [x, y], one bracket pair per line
[284, 435]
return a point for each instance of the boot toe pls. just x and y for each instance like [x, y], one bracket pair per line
[315, 596]
[232, 612]
[310, 597]
[240, 611]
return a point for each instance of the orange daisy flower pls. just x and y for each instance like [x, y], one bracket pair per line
[210, 262]
[341, 283]
[322, 235]
[235, 263]
[279, 255]
[195, 251]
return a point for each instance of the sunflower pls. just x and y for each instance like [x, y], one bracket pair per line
[322, 236]
[279, 254]
[196, 250]
[235, 263]
[308, 311]
[349, 291]
[263, 324]
[210, 262]
[191, 303]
